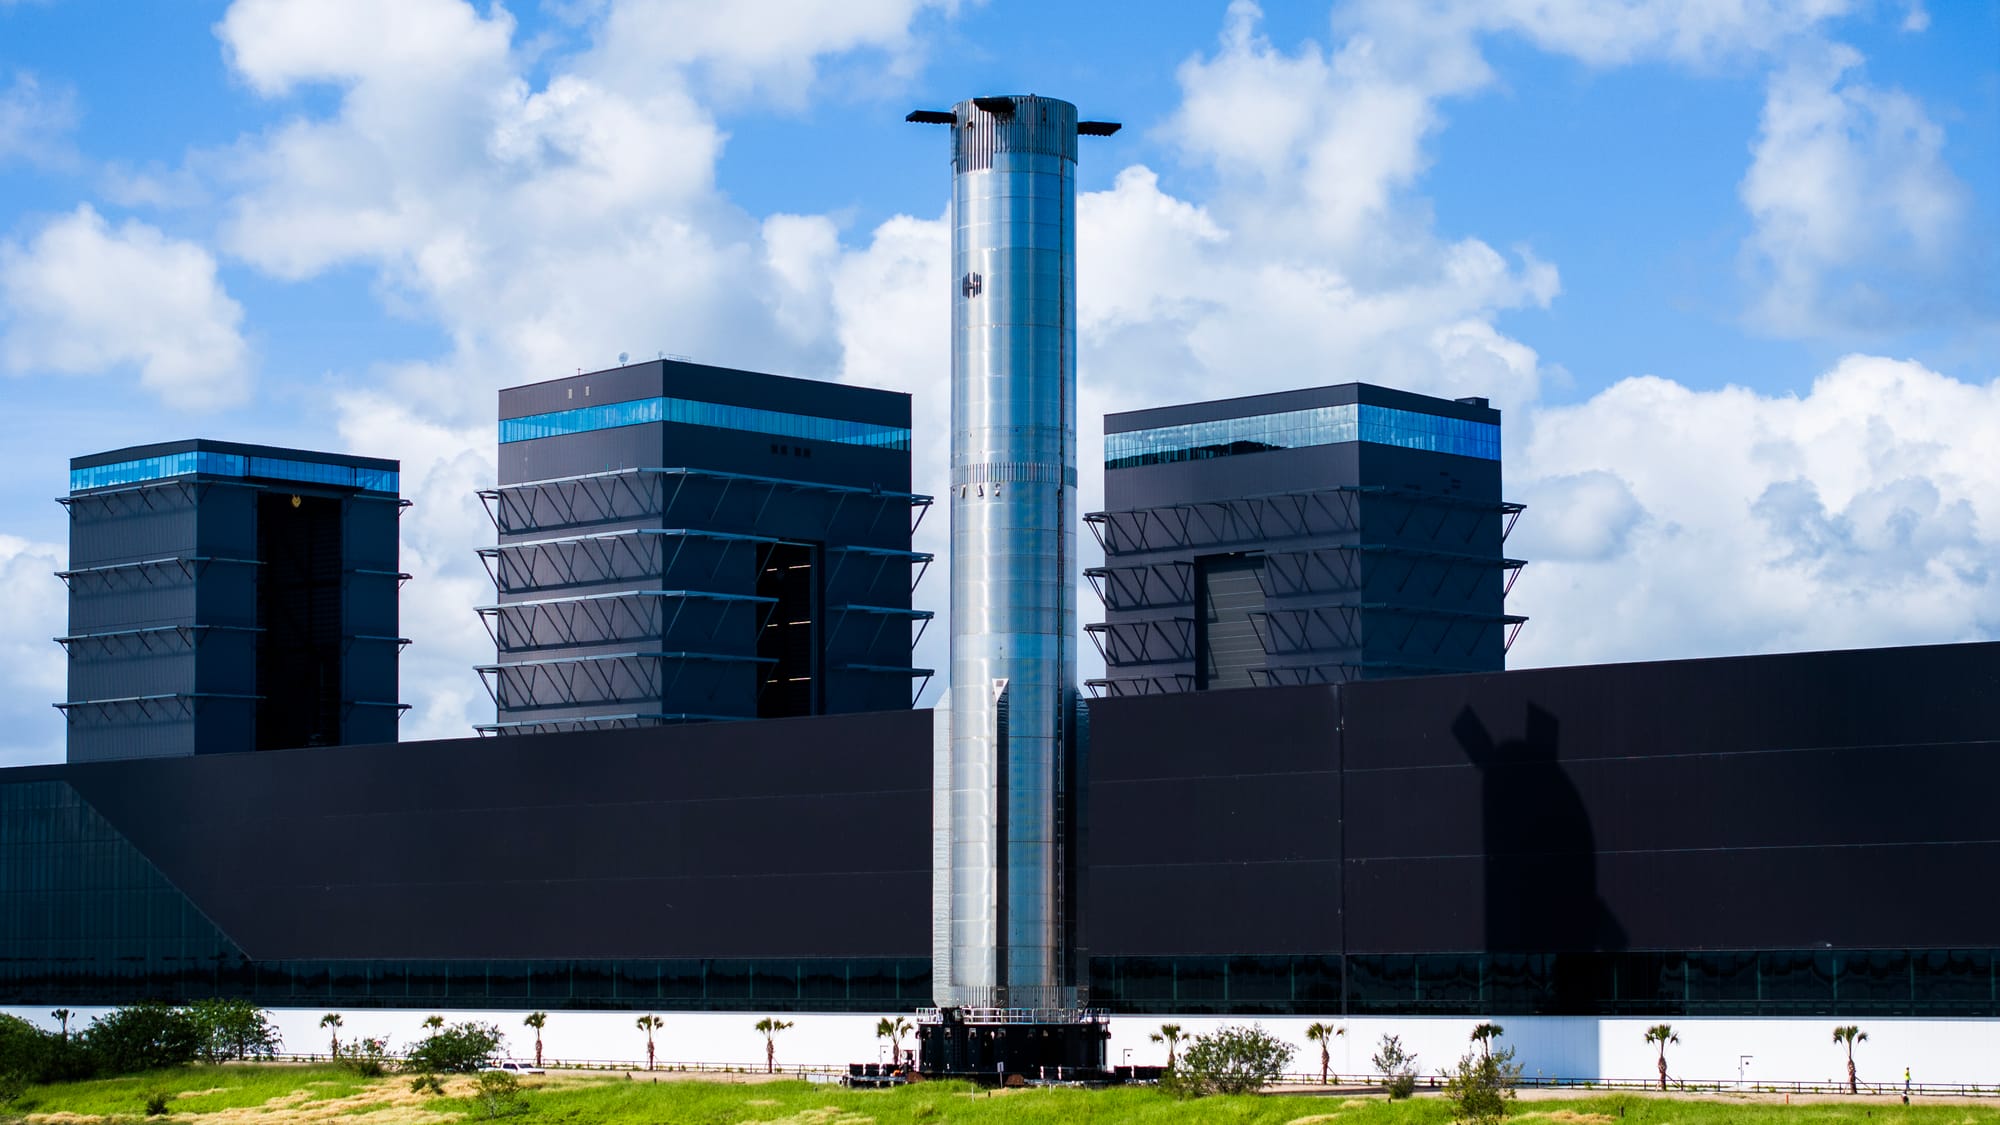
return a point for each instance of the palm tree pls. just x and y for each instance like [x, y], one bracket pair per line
[1485, 1034]
[1323, 1034]
[771, 1026]
[893, 1030]
[1662, 1034]
[434, 1023]
[538, 1021]
[1849, 1036]
[1170, 1034]
[650, 1024]
[63, 1014]
[332, 1020]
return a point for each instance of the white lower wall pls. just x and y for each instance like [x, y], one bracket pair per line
[1599, 1048]
[1581, 1047]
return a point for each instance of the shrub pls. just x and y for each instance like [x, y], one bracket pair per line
[459, 1048]
[233, 1029]
[1398, 1067]
[143, 1037]
[365, 1058]
[1231, 1060]
[1481, 1085]
[156, 1104]
[26, 1052]
[426, 1084]
[500, 1093]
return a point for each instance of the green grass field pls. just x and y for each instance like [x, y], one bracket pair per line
[242, 1094]
[193, 1090]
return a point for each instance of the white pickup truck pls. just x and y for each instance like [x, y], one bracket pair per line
[512, 1067]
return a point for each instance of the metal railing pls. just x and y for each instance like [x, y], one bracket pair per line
[1582, 1086]
[1828, 1087]
[1016, 1015]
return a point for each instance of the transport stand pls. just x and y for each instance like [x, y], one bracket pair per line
[993, 1045]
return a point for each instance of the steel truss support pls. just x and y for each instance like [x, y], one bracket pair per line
[171, 705]
[882, 616]
[611, 556]
[1216, 525]
[1314, 630]
[883, 557]
[629, 494]
[152, 496]
[1152, 641]
[1124, 685]
[627, 615]
[152, 572]
[572, 681]
[154, 641]
[1167, 584]
[596, 722]
[1477, 623]
[1248, 521]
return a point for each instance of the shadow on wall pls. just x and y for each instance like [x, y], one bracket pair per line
[1541, 857]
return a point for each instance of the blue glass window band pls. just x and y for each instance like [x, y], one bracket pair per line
[211, 463]
[1298, 429]
[688, 412]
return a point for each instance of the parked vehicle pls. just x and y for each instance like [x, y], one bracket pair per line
[512, 1067]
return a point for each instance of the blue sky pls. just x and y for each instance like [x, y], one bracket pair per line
[1729, 268]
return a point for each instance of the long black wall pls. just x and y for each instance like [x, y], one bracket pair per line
[1745, 803]
[1806, 834]
[729, 840]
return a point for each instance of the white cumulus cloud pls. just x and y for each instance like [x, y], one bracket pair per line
[83, 297]
[35, 122]
[766, 48]
[31, 731]
[443, 468]
[1669, 522]
[1859, 219]
[277, 44]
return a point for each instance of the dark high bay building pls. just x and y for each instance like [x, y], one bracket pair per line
[1803, 835]
[1313, 536]
[227, 597]
[680, 543]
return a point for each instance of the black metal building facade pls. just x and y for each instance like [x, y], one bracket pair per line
[1771, 835]
[717, 866]
[1316, 536]
[680, 543]
[1780, 835]
[227, 597]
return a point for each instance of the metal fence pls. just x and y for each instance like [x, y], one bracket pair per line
[1585, 1086]
[1581, 1086]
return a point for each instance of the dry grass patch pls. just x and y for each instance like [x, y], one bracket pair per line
[825, 1115]
[386, 1102]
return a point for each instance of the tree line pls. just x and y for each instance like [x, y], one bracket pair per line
[131, 1040]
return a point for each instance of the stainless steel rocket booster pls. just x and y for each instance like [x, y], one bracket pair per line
[1006, 755]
